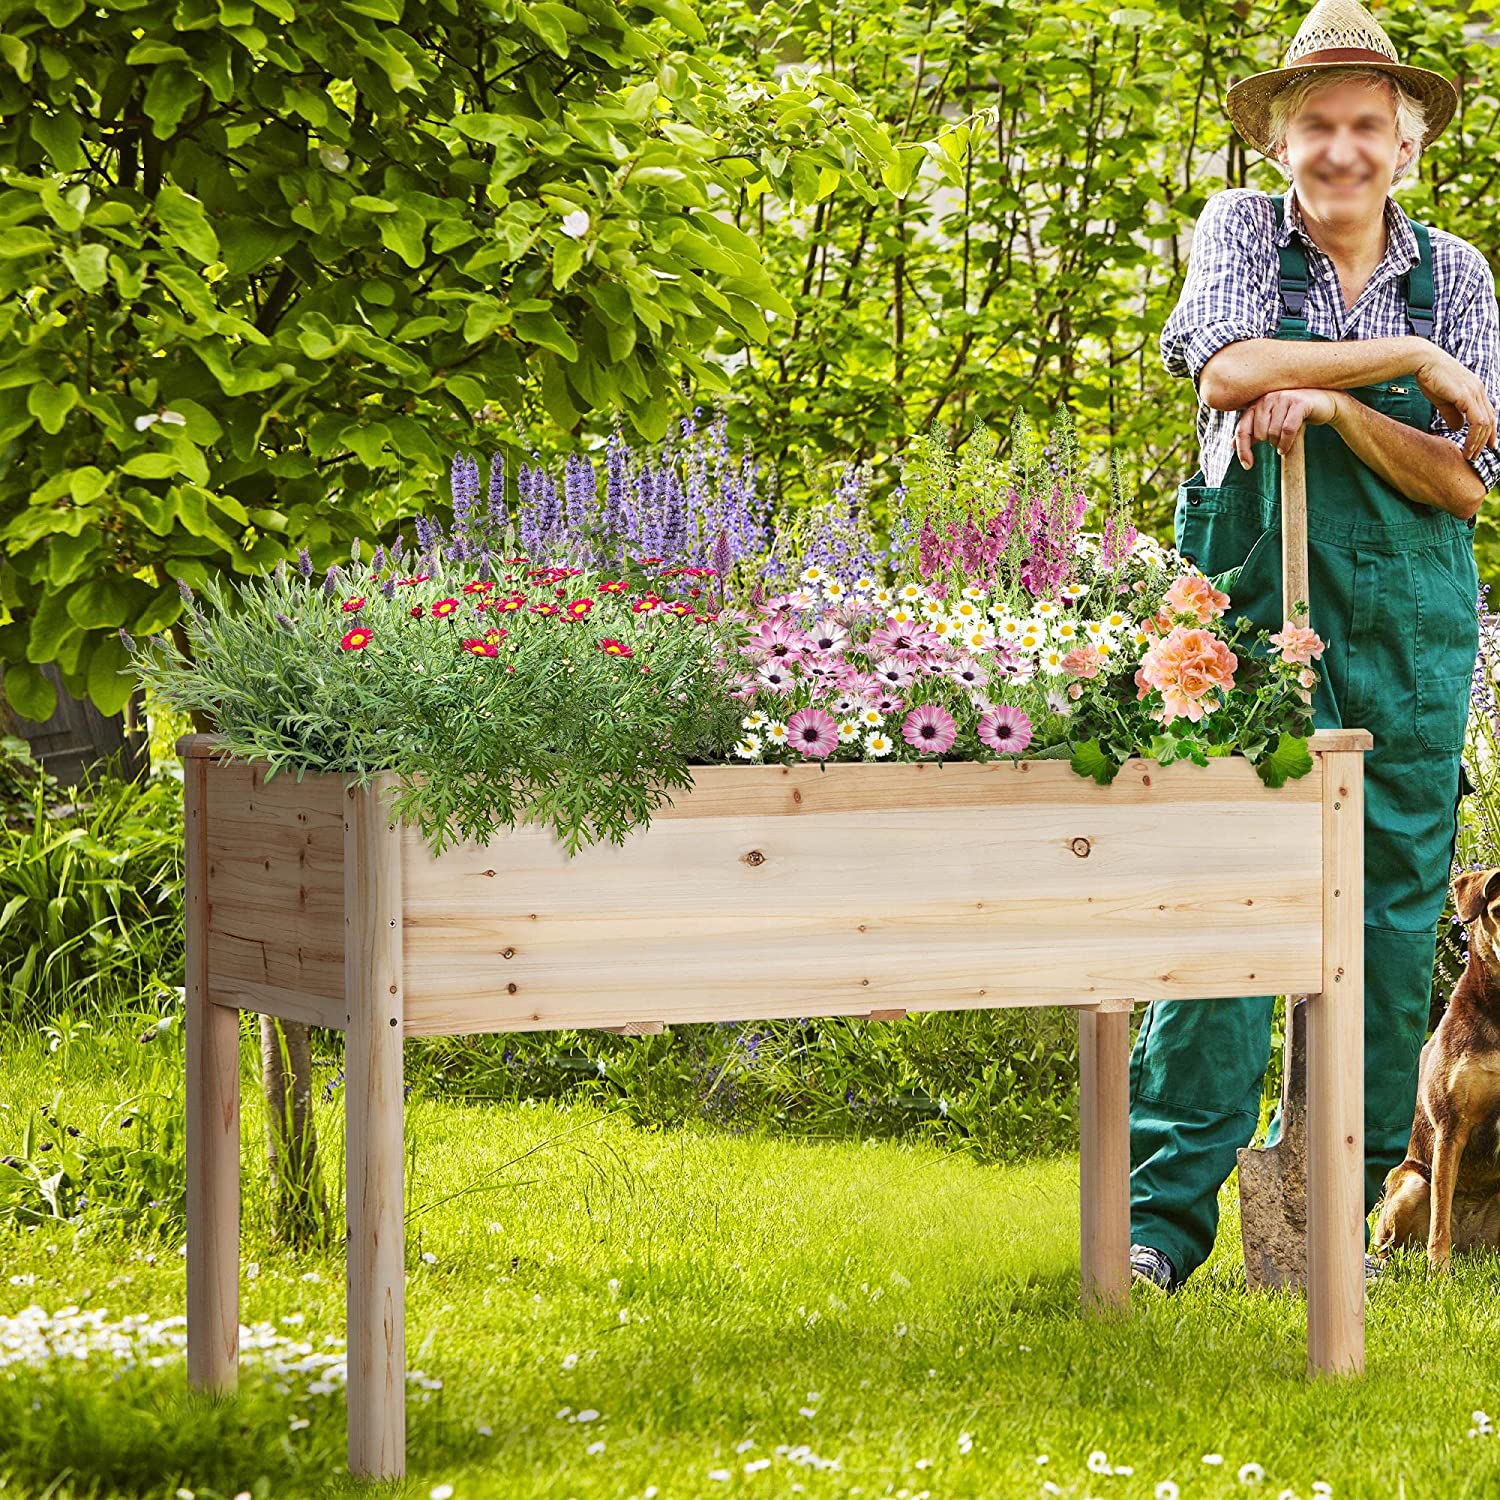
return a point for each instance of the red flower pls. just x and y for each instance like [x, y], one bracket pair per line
[677, 607]
[645, 604]
[356, 640]
[476, 647]
[494, 633]
[444, 607]
[614, 586]
[544, 609]
[512, 562]
[705, 619]
[416, 611]
[612, 647]
[516, 601]
[420, 578]
[644, 560]
[578, 608]
[693, 593]
[478, 586]
[353, 606]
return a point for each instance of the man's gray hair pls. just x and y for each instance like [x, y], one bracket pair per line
[1411, 114]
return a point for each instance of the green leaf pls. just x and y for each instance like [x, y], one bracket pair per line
[18, 55]
[1090, 760]
[88, 265]
[50, 404]
[183, 217]
[59, 136]
[152, 465]
[373, 205]
[403, 232]
[111, 679]
[542, 328]
[60, 13]
[172, 92]
[31, 695]
[1290, 760]
[23, 239]
[566, 259]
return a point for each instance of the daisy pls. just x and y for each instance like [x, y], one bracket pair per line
[1105, 648]
[776, 733]
[477, 647]
[1047, 608]
[879, 745]
[933, 608]
[1066, 630]
[980, 638]
[944, 628]
[775, 676]
[1029, 640]
[1005, 729]
[882, 598]
[848, 731]
[834, 590]
[828, 636]
[1074, 591]
[1051, 660]
[929, 729]
[356, 640]
[965, 610]
[968, 672]
[864, 583]
[444, 607]
[1116, 621]
[1007, 626]
[611, 647]
[353, 606]
[813, 574]
[974, 592]
[901, 615]
[1095, 630]
[910, 592]
[871, 718]
[753, 720]
[892, 672]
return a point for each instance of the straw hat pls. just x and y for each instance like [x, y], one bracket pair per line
[1336, 33]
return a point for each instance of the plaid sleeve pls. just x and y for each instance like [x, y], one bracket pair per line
[1229, 293]
[1472, 336]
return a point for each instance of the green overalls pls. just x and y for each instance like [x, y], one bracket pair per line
[1394, 593]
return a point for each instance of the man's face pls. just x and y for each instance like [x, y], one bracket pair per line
[1343, 151]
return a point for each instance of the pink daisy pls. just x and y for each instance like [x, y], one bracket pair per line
[813, 732]
[929, 729]
[1005, 729]
[891, 673]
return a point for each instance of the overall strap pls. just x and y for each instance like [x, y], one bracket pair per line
[1292, 282]
[1419, 284]
[1292, 279]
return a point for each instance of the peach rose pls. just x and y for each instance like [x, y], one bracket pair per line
[1194, 595]
[1297, 643]
[1188, 669]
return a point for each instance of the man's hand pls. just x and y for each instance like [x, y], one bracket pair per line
[1278, 417]
[1458, 396]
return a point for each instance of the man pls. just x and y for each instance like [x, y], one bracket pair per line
[1328, 308]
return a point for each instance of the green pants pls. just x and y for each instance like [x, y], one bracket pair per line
[1393, 591]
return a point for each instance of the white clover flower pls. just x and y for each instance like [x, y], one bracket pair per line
[1167, 1490]
[1098, 1462]
[576, 224]
[440, 1492]
[1251, 1473]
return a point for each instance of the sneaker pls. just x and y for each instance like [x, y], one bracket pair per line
[1150, 1265]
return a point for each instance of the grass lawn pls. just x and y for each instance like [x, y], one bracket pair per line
[611, 1312]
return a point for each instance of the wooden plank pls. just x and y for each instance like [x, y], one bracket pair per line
[275, 885]
[272, 1000]
[1335, 1089]
[213, 1126]
[1294, 586]
[374, 1108]
[1104, 1157]
[756, 916]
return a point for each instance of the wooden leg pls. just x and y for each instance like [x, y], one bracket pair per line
[1104, 1155]
[1336, 1086]
[213, 1128]
[373, 1111]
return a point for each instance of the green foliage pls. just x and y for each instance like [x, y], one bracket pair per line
[549, 728]
[264, 268]
[90, 898]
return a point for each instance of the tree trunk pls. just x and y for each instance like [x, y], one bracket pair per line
[299, 1204]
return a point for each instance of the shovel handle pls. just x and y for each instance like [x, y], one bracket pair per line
[1294, 528]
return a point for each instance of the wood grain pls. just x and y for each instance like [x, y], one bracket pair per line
[1104, 1157]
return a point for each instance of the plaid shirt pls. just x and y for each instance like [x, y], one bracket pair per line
[1231, 293]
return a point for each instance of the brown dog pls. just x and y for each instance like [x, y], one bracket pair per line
[1447, 1191]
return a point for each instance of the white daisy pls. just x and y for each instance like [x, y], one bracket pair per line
[932, 608]
[777, 732]
[1051, 661]
[748, 748]
[882, 598]
[863, 584]
[1029, 641]
[1065, 630]
[1075, 591]
[980, 638]
[871, 718]
[848, 731]
[1138, 637]
[879, 745]
[754, 720]
[911, 592]
[1095, 630]
[1007, 627]
[901, 615]
[1046, 608]
[966, 610]
[974, 592]
[834, 590]
[944, 628]
[1116, 621]
[1105, 648]
[813, 574]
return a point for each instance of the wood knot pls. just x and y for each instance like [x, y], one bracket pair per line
[796, 794]
[507, 953]
[754, 857]
[489, 874]
[510, 989]
[1145, 781]
[1081, 848]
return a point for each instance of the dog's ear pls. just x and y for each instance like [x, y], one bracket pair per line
[1473, 891]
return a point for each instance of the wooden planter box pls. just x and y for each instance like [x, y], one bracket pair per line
[768, 891]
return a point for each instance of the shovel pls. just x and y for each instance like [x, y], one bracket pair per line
[1273, 1180]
